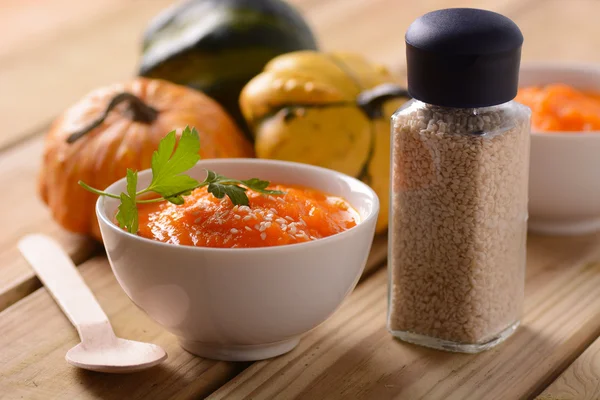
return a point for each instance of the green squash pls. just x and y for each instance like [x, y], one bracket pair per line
[217, 46]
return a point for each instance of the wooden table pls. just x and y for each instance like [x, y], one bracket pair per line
[54, 52]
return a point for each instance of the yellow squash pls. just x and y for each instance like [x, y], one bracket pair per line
[327, 109]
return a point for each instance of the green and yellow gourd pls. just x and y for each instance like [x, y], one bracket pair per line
[217, 46]
[327, 109]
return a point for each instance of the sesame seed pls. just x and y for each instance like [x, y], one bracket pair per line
[284, 228]
[274, 211]
[281, 221]
[256, 226]
[263, 236]
[235, 208]
[271, 197]
[233, 230]
[247, 217]
[236, 216]
[262, 227]
[289, 218]
[197, 220]
[248, 228]
[244, 208]
[280, 199]
[292, 229]
[267, 224]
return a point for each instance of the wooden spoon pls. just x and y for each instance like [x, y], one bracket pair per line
[99, 350]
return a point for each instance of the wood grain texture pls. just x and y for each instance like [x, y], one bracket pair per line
[556, 30]
[33, 346]
[26, 25]
[22, 212]
[581, 381]
[353, 356]
[47, 68]
[50, 75]
[376, 28]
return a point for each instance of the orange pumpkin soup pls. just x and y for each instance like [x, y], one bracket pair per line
[301, 215]
[559, 107]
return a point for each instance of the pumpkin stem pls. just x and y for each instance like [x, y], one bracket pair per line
[138, 111]
[371, 101]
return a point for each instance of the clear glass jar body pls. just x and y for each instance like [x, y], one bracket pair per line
[458, 224]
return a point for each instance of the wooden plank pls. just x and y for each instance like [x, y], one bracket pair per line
[378, 26]
[35, 336]
[105, 48]
[353, 356]
[555, 30]
[580, 381]
[23, 213]
[39, 83]
[26, 25]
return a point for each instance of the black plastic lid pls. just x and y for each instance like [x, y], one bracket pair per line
[463, 57]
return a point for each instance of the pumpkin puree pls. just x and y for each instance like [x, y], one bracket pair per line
[560, 107]
[301, 215]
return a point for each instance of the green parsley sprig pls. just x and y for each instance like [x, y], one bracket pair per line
[170, 183]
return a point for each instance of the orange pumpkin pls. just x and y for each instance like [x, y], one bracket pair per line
[119, 127]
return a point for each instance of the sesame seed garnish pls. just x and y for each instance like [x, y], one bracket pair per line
[289, 218]
[262, 227]
[267, 224]
[256, 226]
[235, 208]
[248, 228]
[292, 229]
[284, 228]
[244, 208]
[281, 221]
[197, 220]
[247, 217]
[263, 236]
[271, 197]
[233, 230]
[236, 216]
[280, 199]
[274, 211]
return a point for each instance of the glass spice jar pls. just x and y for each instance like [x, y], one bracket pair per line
[459, 171]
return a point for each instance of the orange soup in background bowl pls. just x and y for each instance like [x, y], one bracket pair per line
[564, 184]
[244, 283]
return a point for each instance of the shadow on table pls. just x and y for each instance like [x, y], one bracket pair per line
[385, 368]
[196, 378]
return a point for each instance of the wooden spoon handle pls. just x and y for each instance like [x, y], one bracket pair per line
[58, 273]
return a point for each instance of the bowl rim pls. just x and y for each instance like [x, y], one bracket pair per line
[101, 209]
[573, 66]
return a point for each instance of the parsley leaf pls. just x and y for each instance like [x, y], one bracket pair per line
[168, 181]
[260, 186]
[167, 166]
[127, 213]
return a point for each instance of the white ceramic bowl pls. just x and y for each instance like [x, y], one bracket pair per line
[244, 304]
[564, 183]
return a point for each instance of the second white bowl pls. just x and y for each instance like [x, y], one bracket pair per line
[564, 183]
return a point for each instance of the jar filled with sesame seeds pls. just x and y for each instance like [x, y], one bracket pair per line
[459, 171]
